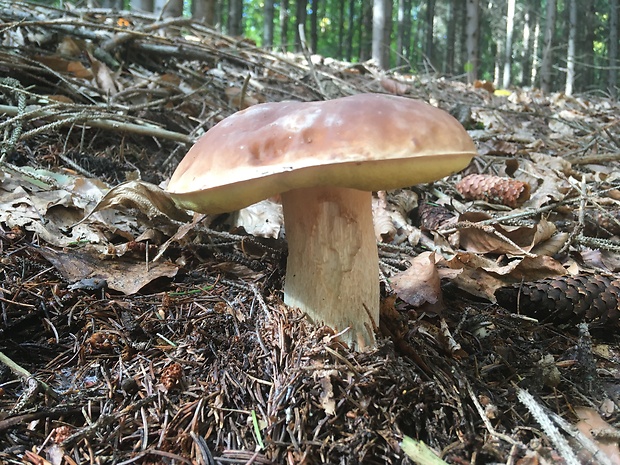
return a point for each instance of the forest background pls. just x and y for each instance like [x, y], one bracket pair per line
[556, 45]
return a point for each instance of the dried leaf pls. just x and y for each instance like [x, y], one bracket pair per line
[420, 452]
[263, 219]
[64, 66]
[103, 76]
[481, 276]
[498, 147]
[50, 211]
[420, 284]
[591, 422]
[69, 47]
[382, 220]
[327, 395]
[502, 239]
[238, 99]
[394, 87]
[148, 198]
[126, 276]
[552, 245]
[546, 176]
[486, 85]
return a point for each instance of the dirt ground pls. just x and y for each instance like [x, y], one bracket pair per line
[109, 356]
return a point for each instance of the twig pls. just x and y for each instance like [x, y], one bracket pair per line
[105, 419]
[485, 419]
[306, 52]
[20, 371]
[110, 44]
[96, 121]
[548, 427]
[56, 412]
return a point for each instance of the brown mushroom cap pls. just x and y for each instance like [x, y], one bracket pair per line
[367, 142]
[324, 158]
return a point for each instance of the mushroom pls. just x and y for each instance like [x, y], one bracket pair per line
[325, 159]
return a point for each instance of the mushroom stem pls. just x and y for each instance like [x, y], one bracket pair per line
[333, 267]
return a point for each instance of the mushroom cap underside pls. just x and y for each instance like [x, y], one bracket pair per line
[366, 142]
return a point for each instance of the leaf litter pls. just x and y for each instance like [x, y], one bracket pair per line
[134, 334]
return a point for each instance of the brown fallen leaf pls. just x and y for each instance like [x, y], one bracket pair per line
[420, 284]
[326, 396]
[593, 426]
[121, 274]
[486, 85]
[148, 198]
[394, 87]
[481, 276]
[384, 226]
[61, 65]
[498, 147]
[103, 76]
[262, 219]
[502, 239]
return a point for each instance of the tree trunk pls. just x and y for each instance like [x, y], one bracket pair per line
[114, 4]
[381, 13]
[284, 15]
[146, 6]
[366, 24]
[547, 59]
[535, 52]
[510, 21]
[350, 30]
[472, 35]
[400, 32]
[612, 78]
[460, 54]
[448, 66]
[528, 52]
[300, 19]
[498, 48]
[387, 32]
[268, 24]
[430, 23]
[340, 45]
[570, 54]
[235, 17]
[408, 29]
[204, 11]
[314, 27]
[168, 9]
[589, 22]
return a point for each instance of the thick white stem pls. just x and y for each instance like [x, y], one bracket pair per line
[333, 266]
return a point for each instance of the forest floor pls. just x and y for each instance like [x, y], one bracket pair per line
[110, 356]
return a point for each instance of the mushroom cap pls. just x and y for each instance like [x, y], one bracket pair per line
[367, 141]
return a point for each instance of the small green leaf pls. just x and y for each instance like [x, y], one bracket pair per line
[419, 452]
[257, 432]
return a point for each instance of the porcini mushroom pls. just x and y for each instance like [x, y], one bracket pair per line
[325, 159]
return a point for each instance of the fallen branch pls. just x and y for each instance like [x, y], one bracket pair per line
[96, 121]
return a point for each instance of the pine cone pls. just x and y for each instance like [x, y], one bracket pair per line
[494, 189]
[565, 299]
[433, 217]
